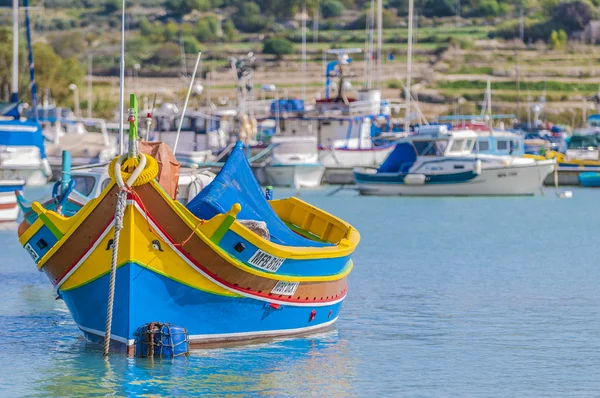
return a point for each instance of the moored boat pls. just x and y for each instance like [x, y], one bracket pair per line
[439, 162]
[294, 162]
[228, 266]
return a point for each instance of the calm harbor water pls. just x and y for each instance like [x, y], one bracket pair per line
[449, 297]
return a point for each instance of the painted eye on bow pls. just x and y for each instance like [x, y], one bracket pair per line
[156, 246]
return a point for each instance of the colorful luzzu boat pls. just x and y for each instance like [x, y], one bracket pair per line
[229, 266]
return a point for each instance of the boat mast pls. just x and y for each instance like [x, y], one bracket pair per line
[411, 5]
[14, 97]
[34, 100]
[89, 86]
[122, 80]
[379, 41]
[304, 51]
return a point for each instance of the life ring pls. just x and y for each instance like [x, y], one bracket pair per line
[140, 177]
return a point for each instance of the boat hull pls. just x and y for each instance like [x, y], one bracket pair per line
[589, 179]
[144, 296]
[299, 176]
[347, 158]
[513, 180]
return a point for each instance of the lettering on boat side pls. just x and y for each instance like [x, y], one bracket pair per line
[32, 252]
[285, 288]
[265, 261]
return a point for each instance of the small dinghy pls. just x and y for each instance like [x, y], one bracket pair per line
[228, 266]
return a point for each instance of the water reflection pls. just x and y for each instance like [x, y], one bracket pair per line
[318, 365]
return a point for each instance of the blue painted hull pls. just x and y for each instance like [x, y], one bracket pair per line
[143, 296]
[398, 178]
[589, 179]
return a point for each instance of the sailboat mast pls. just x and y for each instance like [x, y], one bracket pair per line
[411, 5]
[32, 83]
[379, 41]
[122, 80]
[14, 97]
[304, 51]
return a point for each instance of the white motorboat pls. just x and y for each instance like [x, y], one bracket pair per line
[294, 162]
[438, 162]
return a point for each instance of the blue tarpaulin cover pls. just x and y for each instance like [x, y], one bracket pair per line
[400, 160]
[236, 184]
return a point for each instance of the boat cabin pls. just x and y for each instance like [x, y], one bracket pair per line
[499, 143]
[439, 141]
[429, 143]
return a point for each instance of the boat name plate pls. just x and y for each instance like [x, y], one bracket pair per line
[285, 288]
[265, 261]
[32, 252]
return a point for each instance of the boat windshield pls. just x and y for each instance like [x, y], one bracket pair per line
[431, 147]
[584, 141]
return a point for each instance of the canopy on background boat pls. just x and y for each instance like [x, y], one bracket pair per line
[236, 184]
[400, 160]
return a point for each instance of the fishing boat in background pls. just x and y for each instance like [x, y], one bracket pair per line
[437, 162]
[294, 162]
[228, 266]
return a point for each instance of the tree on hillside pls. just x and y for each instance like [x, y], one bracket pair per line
[229, 29]
[180, 8]
[111, 6]
[331, 8]
[278, 46]
[572, 15]
[250, 19]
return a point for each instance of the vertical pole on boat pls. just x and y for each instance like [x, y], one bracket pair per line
[122, 81]
[379, 41]
[304, 51]
[66, 171]
[185, 104]
[34, 100]
[14, 96]
[411, 4]
[89, 87]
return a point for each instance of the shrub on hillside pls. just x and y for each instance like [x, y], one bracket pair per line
[277, 46]
[331, 8]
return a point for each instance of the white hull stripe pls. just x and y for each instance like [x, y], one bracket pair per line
[198, 338]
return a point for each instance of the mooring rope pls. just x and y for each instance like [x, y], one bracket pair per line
[119, 214]
[124, 189]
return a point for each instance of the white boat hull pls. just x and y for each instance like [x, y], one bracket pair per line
[510, 180]
[298, 176]
[348, 158]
